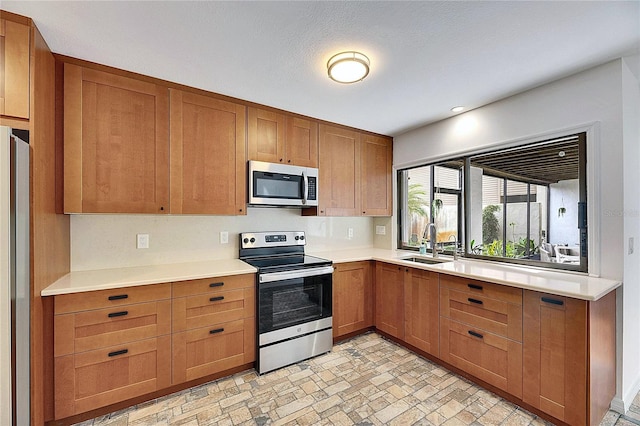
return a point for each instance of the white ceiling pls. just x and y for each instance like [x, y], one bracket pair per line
[426, 57]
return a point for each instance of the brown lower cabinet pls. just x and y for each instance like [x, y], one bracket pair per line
[114, 345]
[569, 356]
[390, 299]
[421, 310]
[352, 297]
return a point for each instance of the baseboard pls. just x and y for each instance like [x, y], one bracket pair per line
[617, 405]
[622, 405]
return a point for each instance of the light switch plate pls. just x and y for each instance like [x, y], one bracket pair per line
[381, 230]
[350, 233]
[142, 241]
[224, 237]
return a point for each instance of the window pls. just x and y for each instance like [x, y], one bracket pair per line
[525, 204]
[432, 194]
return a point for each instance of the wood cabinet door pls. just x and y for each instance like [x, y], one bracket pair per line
[489, 357]
[339, 172]
[266, 135]
[555, 356]
[14, 84]
[204, 351]
[421, 310]
[390, 299]
[90, 380]
[116, 143]
[301, 144]
[208, 156]
[352, 297]
[375, 161]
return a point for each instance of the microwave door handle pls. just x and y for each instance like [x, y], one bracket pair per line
[305, 188]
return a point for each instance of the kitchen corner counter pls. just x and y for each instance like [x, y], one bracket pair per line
[570, 284]
[104, 279]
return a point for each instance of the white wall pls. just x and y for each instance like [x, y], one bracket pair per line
[109, 241]
[590, 101]
[631, 217]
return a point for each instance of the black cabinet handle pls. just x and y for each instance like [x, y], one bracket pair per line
[476, 301]
[120, 352]
[216, 284]
[217, 330]
[553, 301]
[475, 286]
[119, 297]
[118, 314]
[474, 334]
[215, 299]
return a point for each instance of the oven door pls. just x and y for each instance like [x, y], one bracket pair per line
[290, 298]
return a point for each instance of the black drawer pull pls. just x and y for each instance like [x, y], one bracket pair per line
[119, 297]
[217, 330]
[553, 301]
[474, 334]
[215, 299]
[118, 314]
[475, 286]
[476, 301]
[216, 284]
[120, 352]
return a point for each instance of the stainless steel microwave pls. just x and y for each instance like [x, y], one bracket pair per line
[282, 185]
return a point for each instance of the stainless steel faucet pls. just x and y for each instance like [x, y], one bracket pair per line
[431, 229]
[455, 246]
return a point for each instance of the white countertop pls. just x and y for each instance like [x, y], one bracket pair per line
[104, 279]
[571, 284]
[579, 286]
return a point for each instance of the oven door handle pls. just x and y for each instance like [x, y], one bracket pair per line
[290, 275]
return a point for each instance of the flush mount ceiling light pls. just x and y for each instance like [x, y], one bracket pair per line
[348, 67]
[457, 108]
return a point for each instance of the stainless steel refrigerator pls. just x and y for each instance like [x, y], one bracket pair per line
[14, 277]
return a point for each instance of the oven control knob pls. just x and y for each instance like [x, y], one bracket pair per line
[252, 240]
[246, 240]
[297, 238]
[301, 237]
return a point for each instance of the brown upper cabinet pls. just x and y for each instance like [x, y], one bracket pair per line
[116, 143]
[208, 167]
[355, 173]
[281, 138]
[14, 63]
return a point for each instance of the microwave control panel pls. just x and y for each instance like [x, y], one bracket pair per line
[312, 189]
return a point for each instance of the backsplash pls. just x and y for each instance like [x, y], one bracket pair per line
[109, 241]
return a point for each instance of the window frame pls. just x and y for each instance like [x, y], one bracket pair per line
[464, 200]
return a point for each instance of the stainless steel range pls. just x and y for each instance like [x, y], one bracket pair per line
[294, 293]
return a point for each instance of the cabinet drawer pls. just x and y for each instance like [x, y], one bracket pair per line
[99, 299]
[206, 285]
[212, 308]
[494, 359]
[497, 316]
[209, 350]
[98, 378]
[494, 291]
[90, 330]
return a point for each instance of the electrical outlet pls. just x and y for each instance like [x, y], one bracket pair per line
[224, 237]
[630, 245]
[142, 241]
[381, 230]
[350, 233]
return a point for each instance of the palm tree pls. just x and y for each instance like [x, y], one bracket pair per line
[415, 201]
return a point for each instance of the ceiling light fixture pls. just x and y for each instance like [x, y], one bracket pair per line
[457, 109]
[348, 67]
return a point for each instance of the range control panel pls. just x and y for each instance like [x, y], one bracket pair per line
[271, 239]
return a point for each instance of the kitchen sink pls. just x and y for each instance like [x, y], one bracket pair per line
[426, 260]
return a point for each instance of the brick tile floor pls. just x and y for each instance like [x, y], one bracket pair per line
[364, 381]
